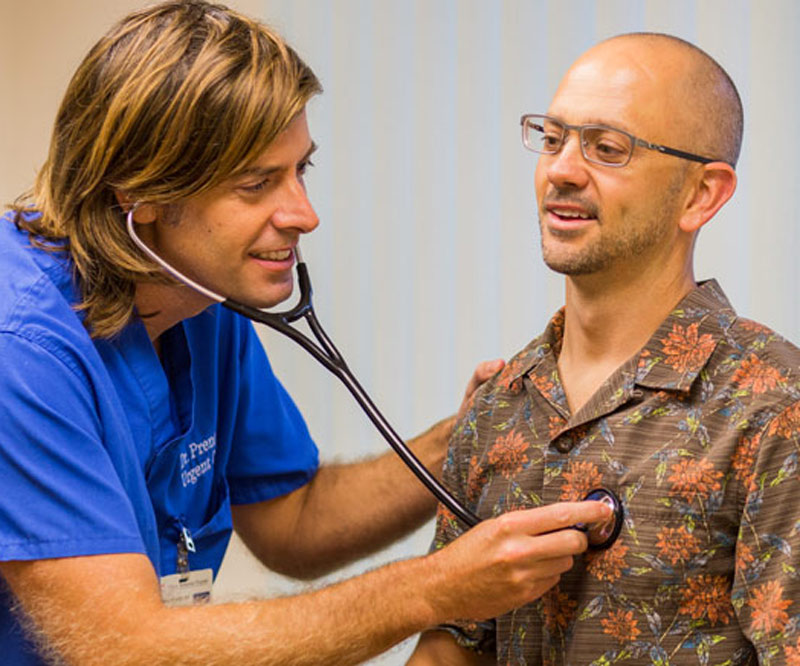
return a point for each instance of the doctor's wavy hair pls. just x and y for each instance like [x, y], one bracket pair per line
[172, 101]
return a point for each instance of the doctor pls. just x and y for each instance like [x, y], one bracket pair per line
[140, 424]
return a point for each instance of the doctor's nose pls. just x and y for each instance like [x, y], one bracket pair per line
[295, 210]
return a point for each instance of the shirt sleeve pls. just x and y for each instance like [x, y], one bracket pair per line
[273, 452]
[470, 634]
[766, 588]
[61, 495]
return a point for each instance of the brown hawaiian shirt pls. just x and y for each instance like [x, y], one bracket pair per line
[698, 434]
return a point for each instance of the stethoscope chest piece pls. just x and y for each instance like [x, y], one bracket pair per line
[603, 535]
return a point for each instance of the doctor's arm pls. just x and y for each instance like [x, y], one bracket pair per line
[351, 510]
[106, 609]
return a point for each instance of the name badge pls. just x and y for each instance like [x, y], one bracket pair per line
[187, 589]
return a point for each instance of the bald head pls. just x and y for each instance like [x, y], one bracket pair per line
[597, 219]
[701, 102]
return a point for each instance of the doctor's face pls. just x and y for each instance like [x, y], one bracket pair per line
[238, 238]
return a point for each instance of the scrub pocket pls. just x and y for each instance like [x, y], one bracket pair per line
[209, 538]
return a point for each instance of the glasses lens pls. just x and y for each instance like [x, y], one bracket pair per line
[604, 145]
[542, 135]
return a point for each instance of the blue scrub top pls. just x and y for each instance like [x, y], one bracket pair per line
[104, 449]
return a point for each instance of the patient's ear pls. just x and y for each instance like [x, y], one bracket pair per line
[716, 184]
[144, 213]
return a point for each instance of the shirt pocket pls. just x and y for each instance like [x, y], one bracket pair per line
[679, 535]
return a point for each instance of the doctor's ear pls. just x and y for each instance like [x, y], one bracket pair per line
[144, 213]
[715, 186]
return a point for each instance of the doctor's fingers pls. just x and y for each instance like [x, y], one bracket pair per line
[495, 551]
[483, 371]
[552, 517]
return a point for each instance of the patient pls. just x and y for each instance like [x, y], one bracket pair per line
[647, 383]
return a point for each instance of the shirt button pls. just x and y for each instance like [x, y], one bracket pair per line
[564, 444]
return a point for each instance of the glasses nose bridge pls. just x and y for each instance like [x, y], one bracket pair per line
[565, 132]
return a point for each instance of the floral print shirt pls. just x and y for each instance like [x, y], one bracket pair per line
[698, 434]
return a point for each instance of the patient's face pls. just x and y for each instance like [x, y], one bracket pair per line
[594, 218]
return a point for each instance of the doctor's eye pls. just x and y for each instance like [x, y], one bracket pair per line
[255, 187]
[303, 167]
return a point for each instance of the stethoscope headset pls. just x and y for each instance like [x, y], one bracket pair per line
[600, 536]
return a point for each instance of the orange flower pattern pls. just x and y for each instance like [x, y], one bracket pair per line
[444, 515]
[620, 625]
[792, 654]
[757, 375]
[608, 564]
[769, 607]
[542, 383]
[691, 478]
[754, 327]
[744, 459]
[558, 610]
[508, 454]
[556, 425]
[509, 376]
[476, 479]
[580, 479]
[685, 349]
[744, 556]
[708, 597]
[699, 436]
[676, 544]
[787, 424]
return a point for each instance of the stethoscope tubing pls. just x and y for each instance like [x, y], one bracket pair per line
[325, 352]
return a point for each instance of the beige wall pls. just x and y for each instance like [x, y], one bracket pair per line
[41, 44]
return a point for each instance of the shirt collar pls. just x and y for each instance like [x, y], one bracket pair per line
[686, 339]
[547, 345]
[671, 359]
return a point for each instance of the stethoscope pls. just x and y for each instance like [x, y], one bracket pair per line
[600, 536]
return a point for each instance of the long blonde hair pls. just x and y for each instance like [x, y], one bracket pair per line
[173, 100]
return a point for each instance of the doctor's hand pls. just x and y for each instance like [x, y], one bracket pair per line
[483, 371]
[509, 561]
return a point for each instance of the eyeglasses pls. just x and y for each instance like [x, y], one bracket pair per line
[600, 144]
